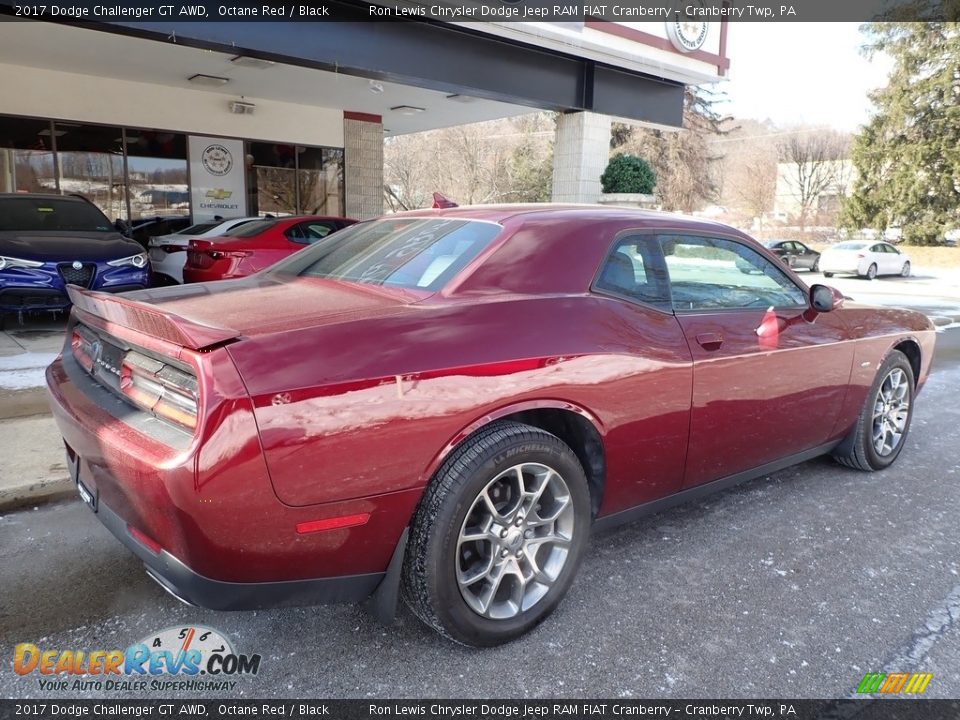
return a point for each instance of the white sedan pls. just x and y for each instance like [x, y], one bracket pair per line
[864, 258]
[168, 253]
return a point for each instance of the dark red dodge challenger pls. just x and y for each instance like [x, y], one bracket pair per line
[445, 402]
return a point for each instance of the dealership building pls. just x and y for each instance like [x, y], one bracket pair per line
[159, 117]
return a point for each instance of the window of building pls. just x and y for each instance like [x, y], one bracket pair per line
[272, 179]
[157, 173]
[90, 159]
[26, 156]
[320, 175]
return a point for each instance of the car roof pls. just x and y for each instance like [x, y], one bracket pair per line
[44, 196]
[549, 211]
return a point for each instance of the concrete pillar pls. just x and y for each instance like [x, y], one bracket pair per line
[363, 165]
[581, 151]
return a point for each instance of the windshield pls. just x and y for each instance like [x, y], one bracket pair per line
[51, 214]
[850, 246]
[411, 253]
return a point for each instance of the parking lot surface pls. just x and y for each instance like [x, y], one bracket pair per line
[793, 585]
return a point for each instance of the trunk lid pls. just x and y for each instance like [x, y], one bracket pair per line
[204, 314]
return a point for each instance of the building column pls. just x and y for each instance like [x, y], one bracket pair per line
[581, 151]
[363, 165]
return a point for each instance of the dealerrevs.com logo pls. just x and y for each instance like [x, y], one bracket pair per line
[174, 659]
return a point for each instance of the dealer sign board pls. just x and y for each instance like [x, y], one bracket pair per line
[217, 179]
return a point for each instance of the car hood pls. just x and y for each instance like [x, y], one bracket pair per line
[264, 304]
[67, 246]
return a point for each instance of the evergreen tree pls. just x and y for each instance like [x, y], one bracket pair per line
[907, 158]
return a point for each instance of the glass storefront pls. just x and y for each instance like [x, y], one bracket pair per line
[133, 174]
[292, 179]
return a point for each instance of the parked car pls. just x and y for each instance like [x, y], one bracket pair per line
[168, 253]
[255, 246]
[50, 241]
[447, 401]
[794, 254]
[145, 228]
[864, 258]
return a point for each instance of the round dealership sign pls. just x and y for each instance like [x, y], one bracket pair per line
[687, 34]
[217, 160]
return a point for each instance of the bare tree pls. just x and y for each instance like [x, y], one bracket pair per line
[493, 161]
[814, 158]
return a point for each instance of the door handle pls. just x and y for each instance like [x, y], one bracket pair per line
[710, 341]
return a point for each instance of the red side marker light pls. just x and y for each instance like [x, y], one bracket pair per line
[148, 542]
[334, 523]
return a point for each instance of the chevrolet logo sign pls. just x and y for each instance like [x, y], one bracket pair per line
[219, 194]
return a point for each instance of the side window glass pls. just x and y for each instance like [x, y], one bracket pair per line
[634, 270]
[714, 273]
[318, 231]
[295, 233]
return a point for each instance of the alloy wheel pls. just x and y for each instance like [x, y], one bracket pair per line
[890, 412]
[514, 541]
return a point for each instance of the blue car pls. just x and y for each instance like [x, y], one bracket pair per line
[50, 241]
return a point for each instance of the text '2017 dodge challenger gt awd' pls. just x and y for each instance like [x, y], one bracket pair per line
[444, 402]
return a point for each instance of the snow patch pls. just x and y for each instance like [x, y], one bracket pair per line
[24, 370]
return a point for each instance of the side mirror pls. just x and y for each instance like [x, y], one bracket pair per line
[824, 298]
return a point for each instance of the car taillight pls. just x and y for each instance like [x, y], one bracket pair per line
[161, 389]
[81, 343]
[198, 259]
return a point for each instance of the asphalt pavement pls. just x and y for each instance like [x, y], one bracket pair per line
[794, 585]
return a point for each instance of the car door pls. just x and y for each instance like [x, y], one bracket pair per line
[892, 261]
[876, 256]
[648, 397]
[769, 373]
[805, 256]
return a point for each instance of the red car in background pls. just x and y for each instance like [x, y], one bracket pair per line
[449, 401]
[255, 246]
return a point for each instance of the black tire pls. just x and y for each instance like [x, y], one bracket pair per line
[857, 450]
[828, 275]
[430, 584]
[816, 266]
[872, 272]
[905, 271]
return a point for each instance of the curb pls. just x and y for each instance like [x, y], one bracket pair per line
[23, 403]
[35, 494]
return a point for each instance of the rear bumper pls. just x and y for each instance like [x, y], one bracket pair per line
[195, 589]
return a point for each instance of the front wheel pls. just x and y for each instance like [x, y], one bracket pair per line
[498, 536]
[816, 267]
[905, 271]
[828, 274]
[877, 438]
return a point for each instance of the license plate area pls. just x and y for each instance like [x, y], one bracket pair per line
[88, 496]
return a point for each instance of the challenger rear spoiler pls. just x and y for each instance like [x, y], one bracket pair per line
[148, 319]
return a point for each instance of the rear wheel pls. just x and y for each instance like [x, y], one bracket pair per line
[816, 266]
[872, 271]
[881, 429]
[905, 271]
[827, 274]
[498, 536]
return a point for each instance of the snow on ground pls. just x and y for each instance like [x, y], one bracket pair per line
[25, 370]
